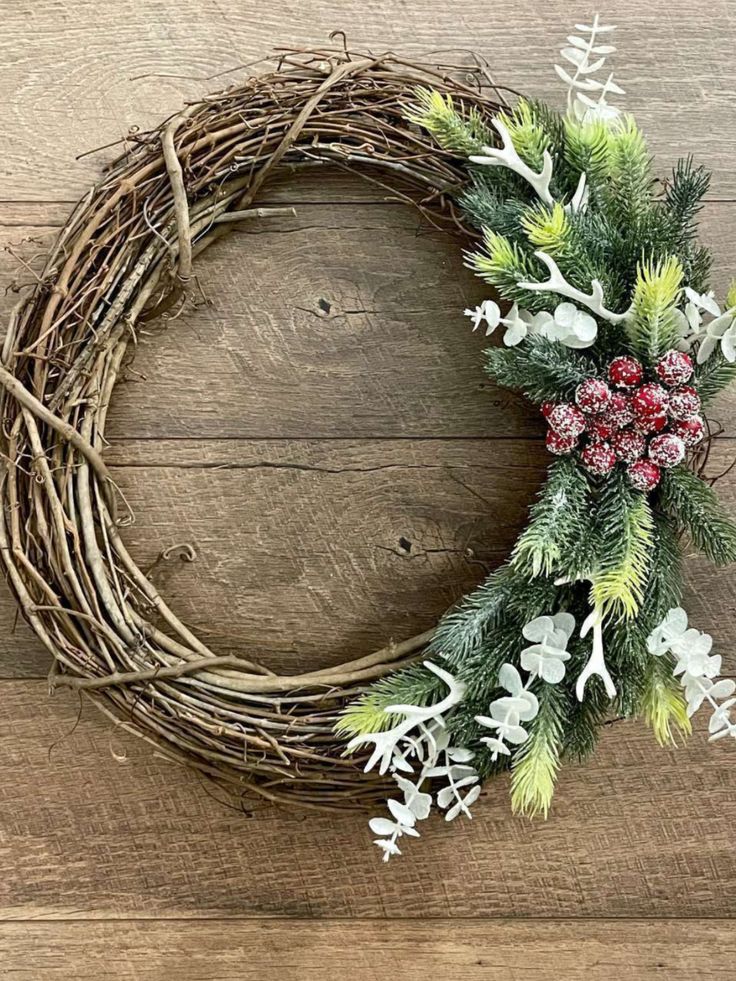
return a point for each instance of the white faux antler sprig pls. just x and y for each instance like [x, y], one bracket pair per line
[414, 715]
[507, 156]
[558, 284]
[596, 663]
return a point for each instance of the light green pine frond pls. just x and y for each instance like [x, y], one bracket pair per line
[503, 264]
[628, 150]
[652, 327]
[548, 229]
[619, 585]
[529, 137]
[458, 129]
[536, 762]
[533, 781]
[413, 686]
[588, 148]
[663, 703]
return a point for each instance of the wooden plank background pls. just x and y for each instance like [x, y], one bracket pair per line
[343, 476]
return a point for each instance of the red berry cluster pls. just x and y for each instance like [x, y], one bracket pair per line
[646, 425]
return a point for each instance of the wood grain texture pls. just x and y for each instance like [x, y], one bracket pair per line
[77, 75]
[344, 321]
[308, 951]
[321, 431]
[310, 550]
[94, 825]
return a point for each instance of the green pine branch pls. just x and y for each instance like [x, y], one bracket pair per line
[653, 327]
[713, 376]
[537, 761]
[558, 520]
[626, 539]
[544, 370]
[695, 507]
[456, 128]
[414, 685]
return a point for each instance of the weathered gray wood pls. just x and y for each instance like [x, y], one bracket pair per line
[94, 826]
[84, 73]
[279, 950]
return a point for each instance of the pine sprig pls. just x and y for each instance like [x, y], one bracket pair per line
[558, 520]
[503, 264]
[414, 685]
[713, 376]
[454, 127]
[683, 197]
[663, 704]
[542, 369]
[694, 506]
[536, 762]
[653, 327]
[626, 529]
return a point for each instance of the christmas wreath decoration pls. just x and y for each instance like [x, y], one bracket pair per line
[608, 326]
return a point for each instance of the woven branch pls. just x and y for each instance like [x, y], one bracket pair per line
[125, 256]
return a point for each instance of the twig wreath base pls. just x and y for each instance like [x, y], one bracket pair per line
[126, 257]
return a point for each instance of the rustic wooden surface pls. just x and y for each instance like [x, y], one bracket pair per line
[320, 431]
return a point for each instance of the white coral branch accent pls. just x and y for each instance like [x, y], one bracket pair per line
[596, 665]
[414, 715]
[506, 156]
[556, 283]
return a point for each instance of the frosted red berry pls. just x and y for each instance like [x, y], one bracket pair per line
[649, 400]
[598, 458]
[593, 395]
[600, 427]
[625, 372]
[690, 431]
[560, 445]
[619, 412]
[684, 402]
[667, 450]
[650, 423]
[567, 420]
[628, 445]
[546, 408]
[643, 475]
[674, 368]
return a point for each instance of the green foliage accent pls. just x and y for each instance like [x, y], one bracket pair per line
[585, 720]
[626, 529]
[628, 189]
[542, 369]
[713, 376]
[527, 133]
[588, 149]
[503, 263]
[663, 704]
[536, 762]
[547, 228]
[683, 197]
[694, 506]
[414, 685]
[664, 589]
[558, 520]
[639, 240]
[458, 129]
[652, 327]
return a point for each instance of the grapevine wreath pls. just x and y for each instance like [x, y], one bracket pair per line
[609, 327]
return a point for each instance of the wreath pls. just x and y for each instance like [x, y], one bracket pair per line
[608, 326]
